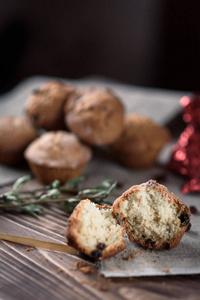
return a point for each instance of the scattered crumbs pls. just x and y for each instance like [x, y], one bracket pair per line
[87, 269]
[154, 261]
[60, 258]
[46, 259]
[79, 264]
[166, 271]
[128, 257]
[84, 268]
[59, 270]
[111, 269]
[120, 267]
[30, 248]
[83, 281]
[100, 286]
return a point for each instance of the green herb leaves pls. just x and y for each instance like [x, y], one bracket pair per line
[29, 202]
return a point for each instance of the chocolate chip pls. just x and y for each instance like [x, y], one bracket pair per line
[96, 254]
[119, 185]
[166, 246]
[189, 227]
[184, 219]
[101, 246]
[193, 210]
[149, 241]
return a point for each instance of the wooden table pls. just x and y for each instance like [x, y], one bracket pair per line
[35, 273]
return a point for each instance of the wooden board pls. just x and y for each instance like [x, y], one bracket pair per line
[27, 273]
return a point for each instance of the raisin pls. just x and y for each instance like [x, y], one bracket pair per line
[166, 246]
[96, 254]
[193, 210]
[101, 246]
[149, 241]
[184, 219]
[189, 227]
[119, 185]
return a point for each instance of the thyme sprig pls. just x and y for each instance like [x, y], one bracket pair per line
[30, 201]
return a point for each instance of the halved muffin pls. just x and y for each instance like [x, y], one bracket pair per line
[95, 230]
[152, 216]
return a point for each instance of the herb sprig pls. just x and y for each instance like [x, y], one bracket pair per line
[31, 201]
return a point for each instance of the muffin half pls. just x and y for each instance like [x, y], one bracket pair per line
[152, 216]
[95, 230]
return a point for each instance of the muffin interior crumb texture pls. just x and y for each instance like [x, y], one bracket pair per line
[98, 228]
[149, 216]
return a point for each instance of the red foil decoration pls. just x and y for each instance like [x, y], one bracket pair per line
[185, 158]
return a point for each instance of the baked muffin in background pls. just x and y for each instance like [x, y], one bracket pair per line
[16, 133]
[140, 142]
[95, 115]
[152, 216]
[57, 155]
[45, 106]
[94, 230]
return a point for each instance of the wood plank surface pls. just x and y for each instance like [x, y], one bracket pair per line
[35, 273]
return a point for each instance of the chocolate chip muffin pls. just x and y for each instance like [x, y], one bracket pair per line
[152, 216]
[45, 106]
[95, 115]
[95, 230]
[16, 134]
[57, 155]
[140, 142]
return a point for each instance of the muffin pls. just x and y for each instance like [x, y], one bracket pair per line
[152, 216]
[95, 230]
[57, 155]
[45, 106]
[16, 134]
[95, 115]
[140, 142]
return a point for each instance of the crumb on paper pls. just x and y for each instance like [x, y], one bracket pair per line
[128, 257]
[166, 271]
